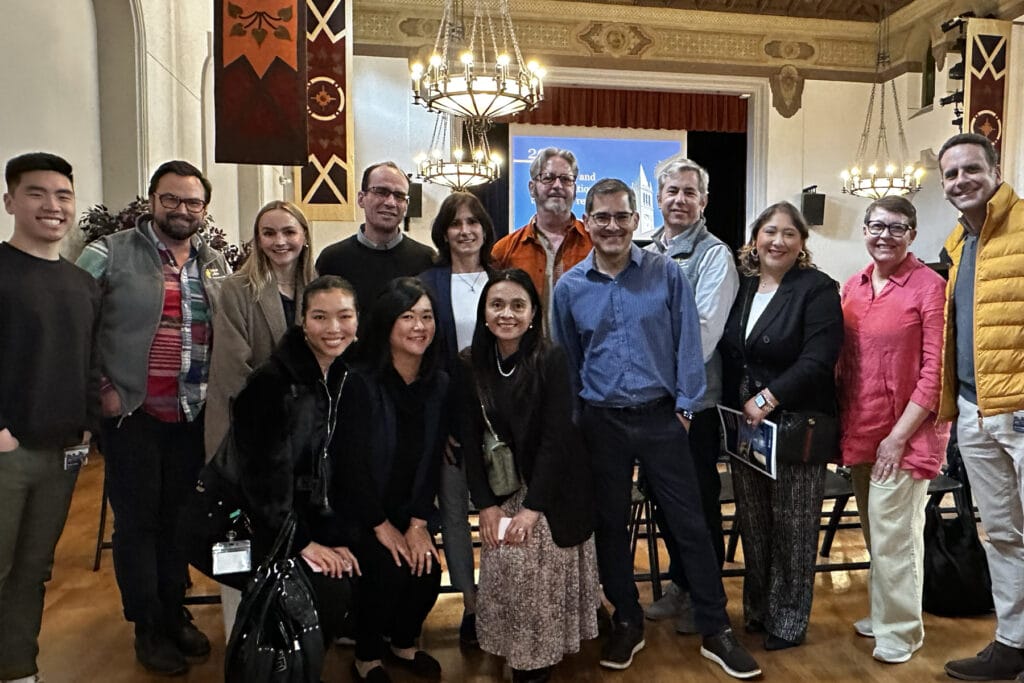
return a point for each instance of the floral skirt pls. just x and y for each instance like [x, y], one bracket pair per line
[536, 601]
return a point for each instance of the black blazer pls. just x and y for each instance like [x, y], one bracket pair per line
[547, 446]
[793, 347]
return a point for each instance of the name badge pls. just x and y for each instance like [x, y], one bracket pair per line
[231, 557]
[76, 456]
[1018, 422]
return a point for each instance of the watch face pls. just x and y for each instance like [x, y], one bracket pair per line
[760, 401]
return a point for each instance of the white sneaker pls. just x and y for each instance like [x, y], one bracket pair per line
[894, 655]
[34, 678]
[668, 605]
[864, 628]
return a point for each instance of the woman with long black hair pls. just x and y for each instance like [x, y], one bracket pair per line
[538, 592]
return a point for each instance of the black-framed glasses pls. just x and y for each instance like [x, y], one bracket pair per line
[876, 228]
[550, 178]
[603, 220]
[172, 201]
[384, 193]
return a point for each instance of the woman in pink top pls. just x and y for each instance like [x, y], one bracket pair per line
[888, 376]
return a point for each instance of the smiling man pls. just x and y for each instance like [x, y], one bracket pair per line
[707, 262]
[629, 325]
[154, 344]
[983, 379]
[554, 240]
[49, 394]
[379, 252]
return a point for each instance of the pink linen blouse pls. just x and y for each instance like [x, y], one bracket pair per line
[891, 355]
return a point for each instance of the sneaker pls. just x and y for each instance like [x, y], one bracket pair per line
[34, 678]
[892, 655]
[192, 642]
[467, 630]
[686, 622]
[158, 654]
[624, 642]
[863, 627]
[669, 605]
[723, 649]
[997, 662]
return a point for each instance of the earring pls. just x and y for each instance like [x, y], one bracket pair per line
[753, 255]
[802, 255]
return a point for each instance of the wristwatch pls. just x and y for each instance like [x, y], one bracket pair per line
[761, 402]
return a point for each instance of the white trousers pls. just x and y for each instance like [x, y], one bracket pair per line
[993, 451]
[892, 517]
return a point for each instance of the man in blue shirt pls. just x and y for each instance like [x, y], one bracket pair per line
[628, 322]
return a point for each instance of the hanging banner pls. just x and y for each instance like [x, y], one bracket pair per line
[260, 81]
[324, 186]
[985, 84]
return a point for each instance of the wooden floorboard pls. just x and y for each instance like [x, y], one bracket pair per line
[85, 637]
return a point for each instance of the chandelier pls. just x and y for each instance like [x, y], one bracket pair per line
[883, 174]
[463, 166]
[481, 78]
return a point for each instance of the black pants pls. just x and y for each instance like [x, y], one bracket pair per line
[616, 439]
[333, 601]
[150, 466]
[390, 601]
[705, 444]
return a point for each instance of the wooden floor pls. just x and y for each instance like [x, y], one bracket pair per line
[85, 637]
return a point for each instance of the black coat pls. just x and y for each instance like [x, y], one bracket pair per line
[282, 422]
[546, 443]
[793, 347]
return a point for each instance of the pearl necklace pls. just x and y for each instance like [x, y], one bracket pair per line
[497, 361]
[472, 285]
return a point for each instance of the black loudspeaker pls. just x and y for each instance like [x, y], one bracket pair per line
[812, 205]
[415, 206]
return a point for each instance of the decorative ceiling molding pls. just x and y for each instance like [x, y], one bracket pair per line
[608, 35]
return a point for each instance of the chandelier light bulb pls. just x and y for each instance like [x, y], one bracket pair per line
[435, 60]
[504, 60]
[872, 170]
[890, 169]
[845, 175]
[532, 66]
[417, 69]
[457, 154]
[466, 58]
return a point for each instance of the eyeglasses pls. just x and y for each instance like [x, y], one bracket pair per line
[550, 178]
[172, 201]
[384, 193]
[876, 228]
[603, 220]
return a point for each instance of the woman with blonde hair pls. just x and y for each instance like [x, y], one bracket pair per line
[256, 306]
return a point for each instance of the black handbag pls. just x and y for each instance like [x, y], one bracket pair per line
[956, 576]
[808, 438]
[276, 637]
[215, 512]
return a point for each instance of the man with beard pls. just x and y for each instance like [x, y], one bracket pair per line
[154, 346]
[554, 240]
[379, 252]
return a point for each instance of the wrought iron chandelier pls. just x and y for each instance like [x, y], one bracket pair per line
[882, 174]
[480, 78]
[463, 166]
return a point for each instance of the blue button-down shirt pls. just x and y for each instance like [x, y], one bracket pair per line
[633, 338]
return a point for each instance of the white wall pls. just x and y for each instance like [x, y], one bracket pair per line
[821, 139]
[50, 96]
[387, 127]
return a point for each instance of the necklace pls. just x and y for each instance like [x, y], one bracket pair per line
[472, 285]
[497, 361]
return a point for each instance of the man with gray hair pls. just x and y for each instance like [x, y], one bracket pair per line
[554, 240]
[707, 263]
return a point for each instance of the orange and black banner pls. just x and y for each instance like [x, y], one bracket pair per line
[324, 186]
[987, 58]
[260, 81]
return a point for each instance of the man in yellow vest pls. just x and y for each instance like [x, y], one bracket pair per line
[983, 379]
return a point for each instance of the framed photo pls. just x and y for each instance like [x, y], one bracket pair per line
[753, 446]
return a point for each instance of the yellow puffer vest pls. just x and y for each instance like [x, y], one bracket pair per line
[998, 310]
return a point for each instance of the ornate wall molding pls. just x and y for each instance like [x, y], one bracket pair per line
[660, 39]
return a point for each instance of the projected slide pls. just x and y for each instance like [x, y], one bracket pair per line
[631, 160]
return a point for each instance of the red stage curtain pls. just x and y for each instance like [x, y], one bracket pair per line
[639, 109]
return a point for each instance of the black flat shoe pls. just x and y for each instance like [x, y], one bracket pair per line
[375, 675]
[542, 675]
[421, 665]
[467, 630]
[773, 642]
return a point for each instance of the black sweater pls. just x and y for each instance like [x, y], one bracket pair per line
[369, 270]
[49, 378]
